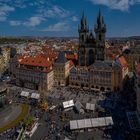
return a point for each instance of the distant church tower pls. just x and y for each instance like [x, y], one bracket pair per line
[87, 44]
[100, 30]
[83, 30]
[83, 33]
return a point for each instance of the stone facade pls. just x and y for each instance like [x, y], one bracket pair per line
[103, 75]
[61, 70]
[132, 56]
[94, 72]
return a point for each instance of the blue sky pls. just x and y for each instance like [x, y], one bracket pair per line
[61, 17]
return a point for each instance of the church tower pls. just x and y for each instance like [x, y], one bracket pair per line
[83, 30]
[83, 34]
[100, 30]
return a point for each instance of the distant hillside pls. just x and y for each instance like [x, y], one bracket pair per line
[16, 40]
[125, 38]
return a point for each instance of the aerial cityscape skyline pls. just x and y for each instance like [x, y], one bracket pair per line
[69, 70]
[59, 18]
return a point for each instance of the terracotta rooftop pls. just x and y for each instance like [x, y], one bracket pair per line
[37, 60]
[71, 64]
[123, 61]
[72, 56]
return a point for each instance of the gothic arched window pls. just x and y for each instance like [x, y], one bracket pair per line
[82, 37]
[91, 57]
[100, 37]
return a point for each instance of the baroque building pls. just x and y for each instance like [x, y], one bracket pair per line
[61, 70]
[93, 71]
[34, 70]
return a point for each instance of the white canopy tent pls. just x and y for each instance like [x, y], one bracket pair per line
[24, 94]
[109, 120]
[91, 123]
[35, 96]
[68, 104]
[90, 106]
[53, 107]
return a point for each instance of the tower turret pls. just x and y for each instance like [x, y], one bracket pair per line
[100, 31]
[83, 30]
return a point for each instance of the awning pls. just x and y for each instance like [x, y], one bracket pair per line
[35, 96]
[91, 123]
[68, 104]
[24, 94]
[90, 106]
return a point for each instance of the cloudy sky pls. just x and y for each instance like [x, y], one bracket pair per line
[61, 17]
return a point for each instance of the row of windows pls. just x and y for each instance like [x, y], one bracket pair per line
[79, 79]
[59, 75]
[103, 81]
[59, 69]
[100, 74]
[94, 81]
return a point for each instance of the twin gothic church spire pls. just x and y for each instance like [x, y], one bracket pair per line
[90, 48]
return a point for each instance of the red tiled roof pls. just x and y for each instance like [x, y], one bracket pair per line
[123, 61]
[43, 56]
[37, 60]
[71, 64]
[72, 56]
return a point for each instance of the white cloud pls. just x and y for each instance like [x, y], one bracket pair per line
[60, 26]
[54, 12]
[74, 18]
[122, 5]
[2, 19]
[15, 23]
[34, 21]
[4, 11]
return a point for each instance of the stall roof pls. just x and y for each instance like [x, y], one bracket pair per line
[68, 104]
[91, 123]
[24, 94]
[95, 122]
[108, 120]
[35, 96]
[102, 121]
[88, 123]
[81, 124]
[73, 124]
[90, 106]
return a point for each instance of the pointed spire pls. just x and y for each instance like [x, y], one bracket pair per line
[102, 19]
[99, 18]
[100, 25]
[99, 13]
[83, 21]
[83, 15]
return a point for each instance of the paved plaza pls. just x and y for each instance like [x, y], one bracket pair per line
[55, 124]
[66, 93]
[9, 114]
